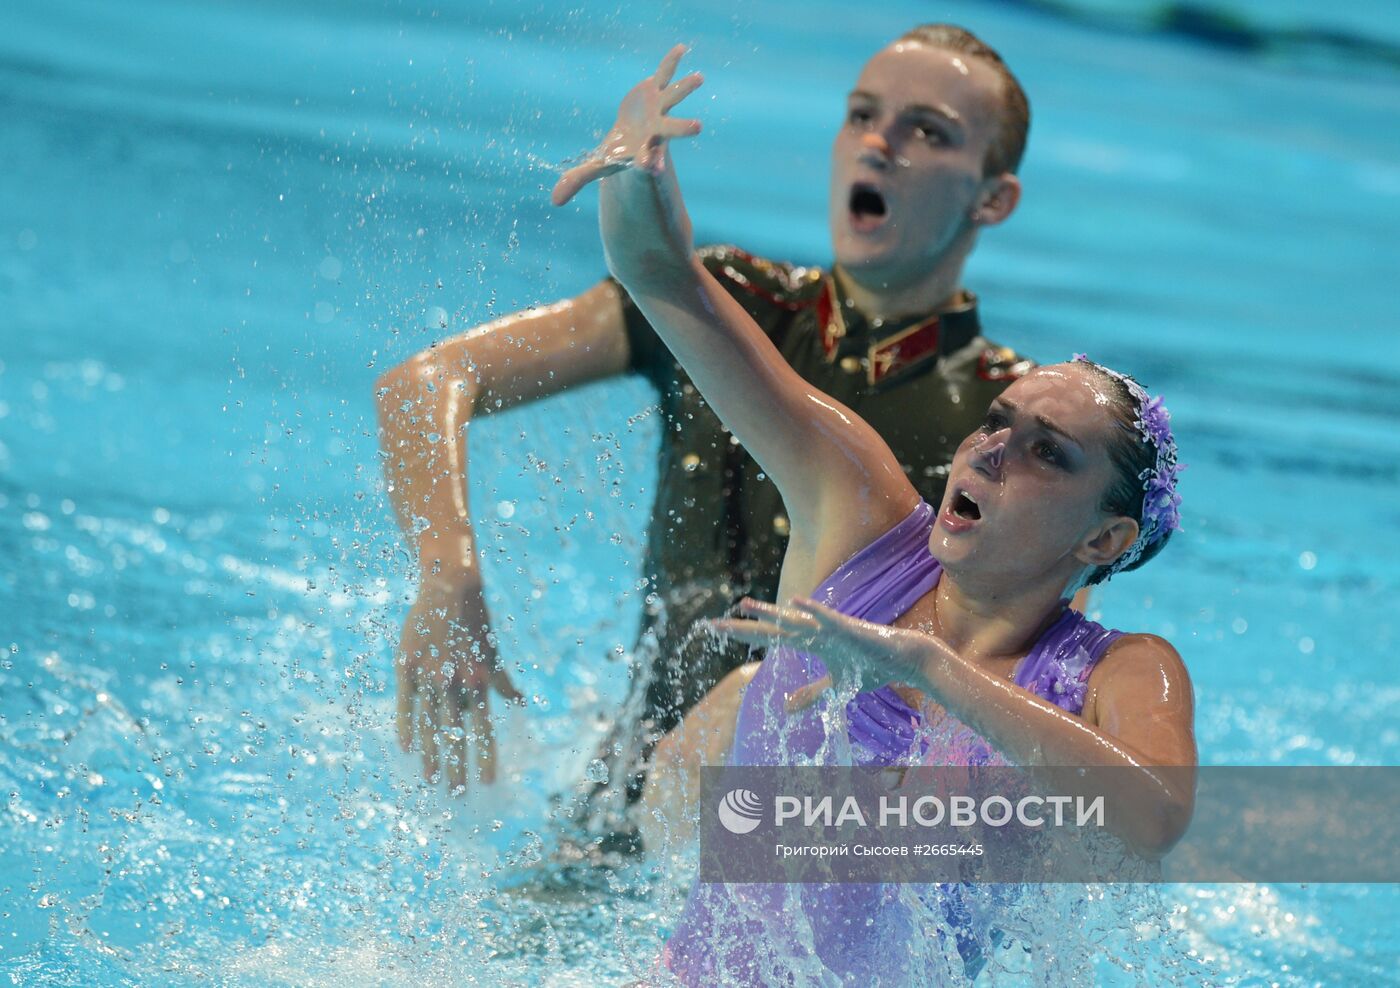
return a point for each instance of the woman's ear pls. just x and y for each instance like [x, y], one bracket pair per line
[999, 198]
[1109, 542]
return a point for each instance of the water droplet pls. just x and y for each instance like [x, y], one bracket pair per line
[597, 771]
[436, 318]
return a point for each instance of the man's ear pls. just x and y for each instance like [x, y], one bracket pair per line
[1109, 542]
[998, 199]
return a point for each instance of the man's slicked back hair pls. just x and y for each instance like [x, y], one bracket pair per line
[1014, 116]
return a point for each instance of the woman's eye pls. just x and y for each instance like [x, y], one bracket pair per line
[1048, 451]
[931, 135]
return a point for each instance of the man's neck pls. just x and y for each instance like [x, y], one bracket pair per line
[875, 300]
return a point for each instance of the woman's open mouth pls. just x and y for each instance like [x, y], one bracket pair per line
[867, 208]
[961, 513]
[965, 507]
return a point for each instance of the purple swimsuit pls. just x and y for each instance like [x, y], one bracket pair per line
[775, 934]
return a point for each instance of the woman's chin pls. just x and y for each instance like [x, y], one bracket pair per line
[947, 548]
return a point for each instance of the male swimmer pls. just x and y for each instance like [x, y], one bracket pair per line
[925, 159]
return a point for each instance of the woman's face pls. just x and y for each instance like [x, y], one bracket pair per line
[1024, 492]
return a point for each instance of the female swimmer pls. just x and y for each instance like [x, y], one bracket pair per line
[959, 614]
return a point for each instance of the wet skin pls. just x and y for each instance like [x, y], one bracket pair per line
[926, 166]
[919, 122]
[1036, 471]
[1040, 464]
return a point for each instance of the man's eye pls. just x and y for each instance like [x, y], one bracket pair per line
[993, 422]
[859, 115]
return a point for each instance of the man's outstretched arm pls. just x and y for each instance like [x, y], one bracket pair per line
[446, 659]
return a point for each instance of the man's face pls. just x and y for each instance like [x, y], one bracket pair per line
[907, 164]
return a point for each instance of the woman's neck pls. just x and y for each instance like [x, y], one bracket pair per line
[994, 626]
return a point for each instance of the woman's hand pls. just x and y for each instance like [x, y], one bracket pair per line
[868, 654]
[642, 129]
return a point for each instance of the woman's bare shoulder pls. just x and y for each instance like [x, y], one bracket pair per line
[1139, 670]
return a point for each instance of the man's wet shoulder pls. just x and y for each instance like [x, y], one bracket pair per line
[779, 283]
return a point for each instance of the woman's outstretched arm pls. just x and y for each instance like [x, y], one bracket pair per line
[840, 483]
[1138, 716]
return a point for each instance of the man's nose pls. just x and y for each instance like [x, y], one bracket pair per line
[875, 150]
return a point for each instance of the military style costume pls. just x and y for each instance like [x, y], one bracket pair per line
[718, 528]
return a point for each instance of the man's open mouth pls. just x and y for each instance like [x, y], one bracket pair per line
[867, 205]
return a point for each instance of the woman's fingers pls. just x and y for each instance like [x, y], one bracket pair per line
[748, 605]
[574, 179]
[672, 127]
[820, 611]
[828, 619]
[667, 69]
[747, 631]
[649, 157]
[789, 619]
[642, 131]
[675, 93]
[805, 696]
[567, 187]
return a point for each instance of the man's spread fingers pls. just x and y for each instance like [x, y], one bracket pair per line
[500, 682]
[485, 740]
[455, 743]
[427, 733]
[403, 719]
[404, 693]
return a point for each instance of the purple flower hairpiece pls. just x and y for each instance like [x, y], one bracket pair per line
[1161, 504]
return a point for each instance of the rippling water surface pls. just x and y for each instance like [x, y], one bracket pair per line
[219, 222]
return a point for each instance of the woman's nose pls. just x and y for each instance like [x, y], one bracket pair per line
[989, 453]
[874, 149]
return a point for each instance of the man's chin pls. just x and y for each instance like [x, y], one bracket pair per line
[857, 253]
[874, 269]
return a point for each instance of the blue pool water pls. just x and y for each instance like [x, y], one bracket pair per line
[219, 222]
